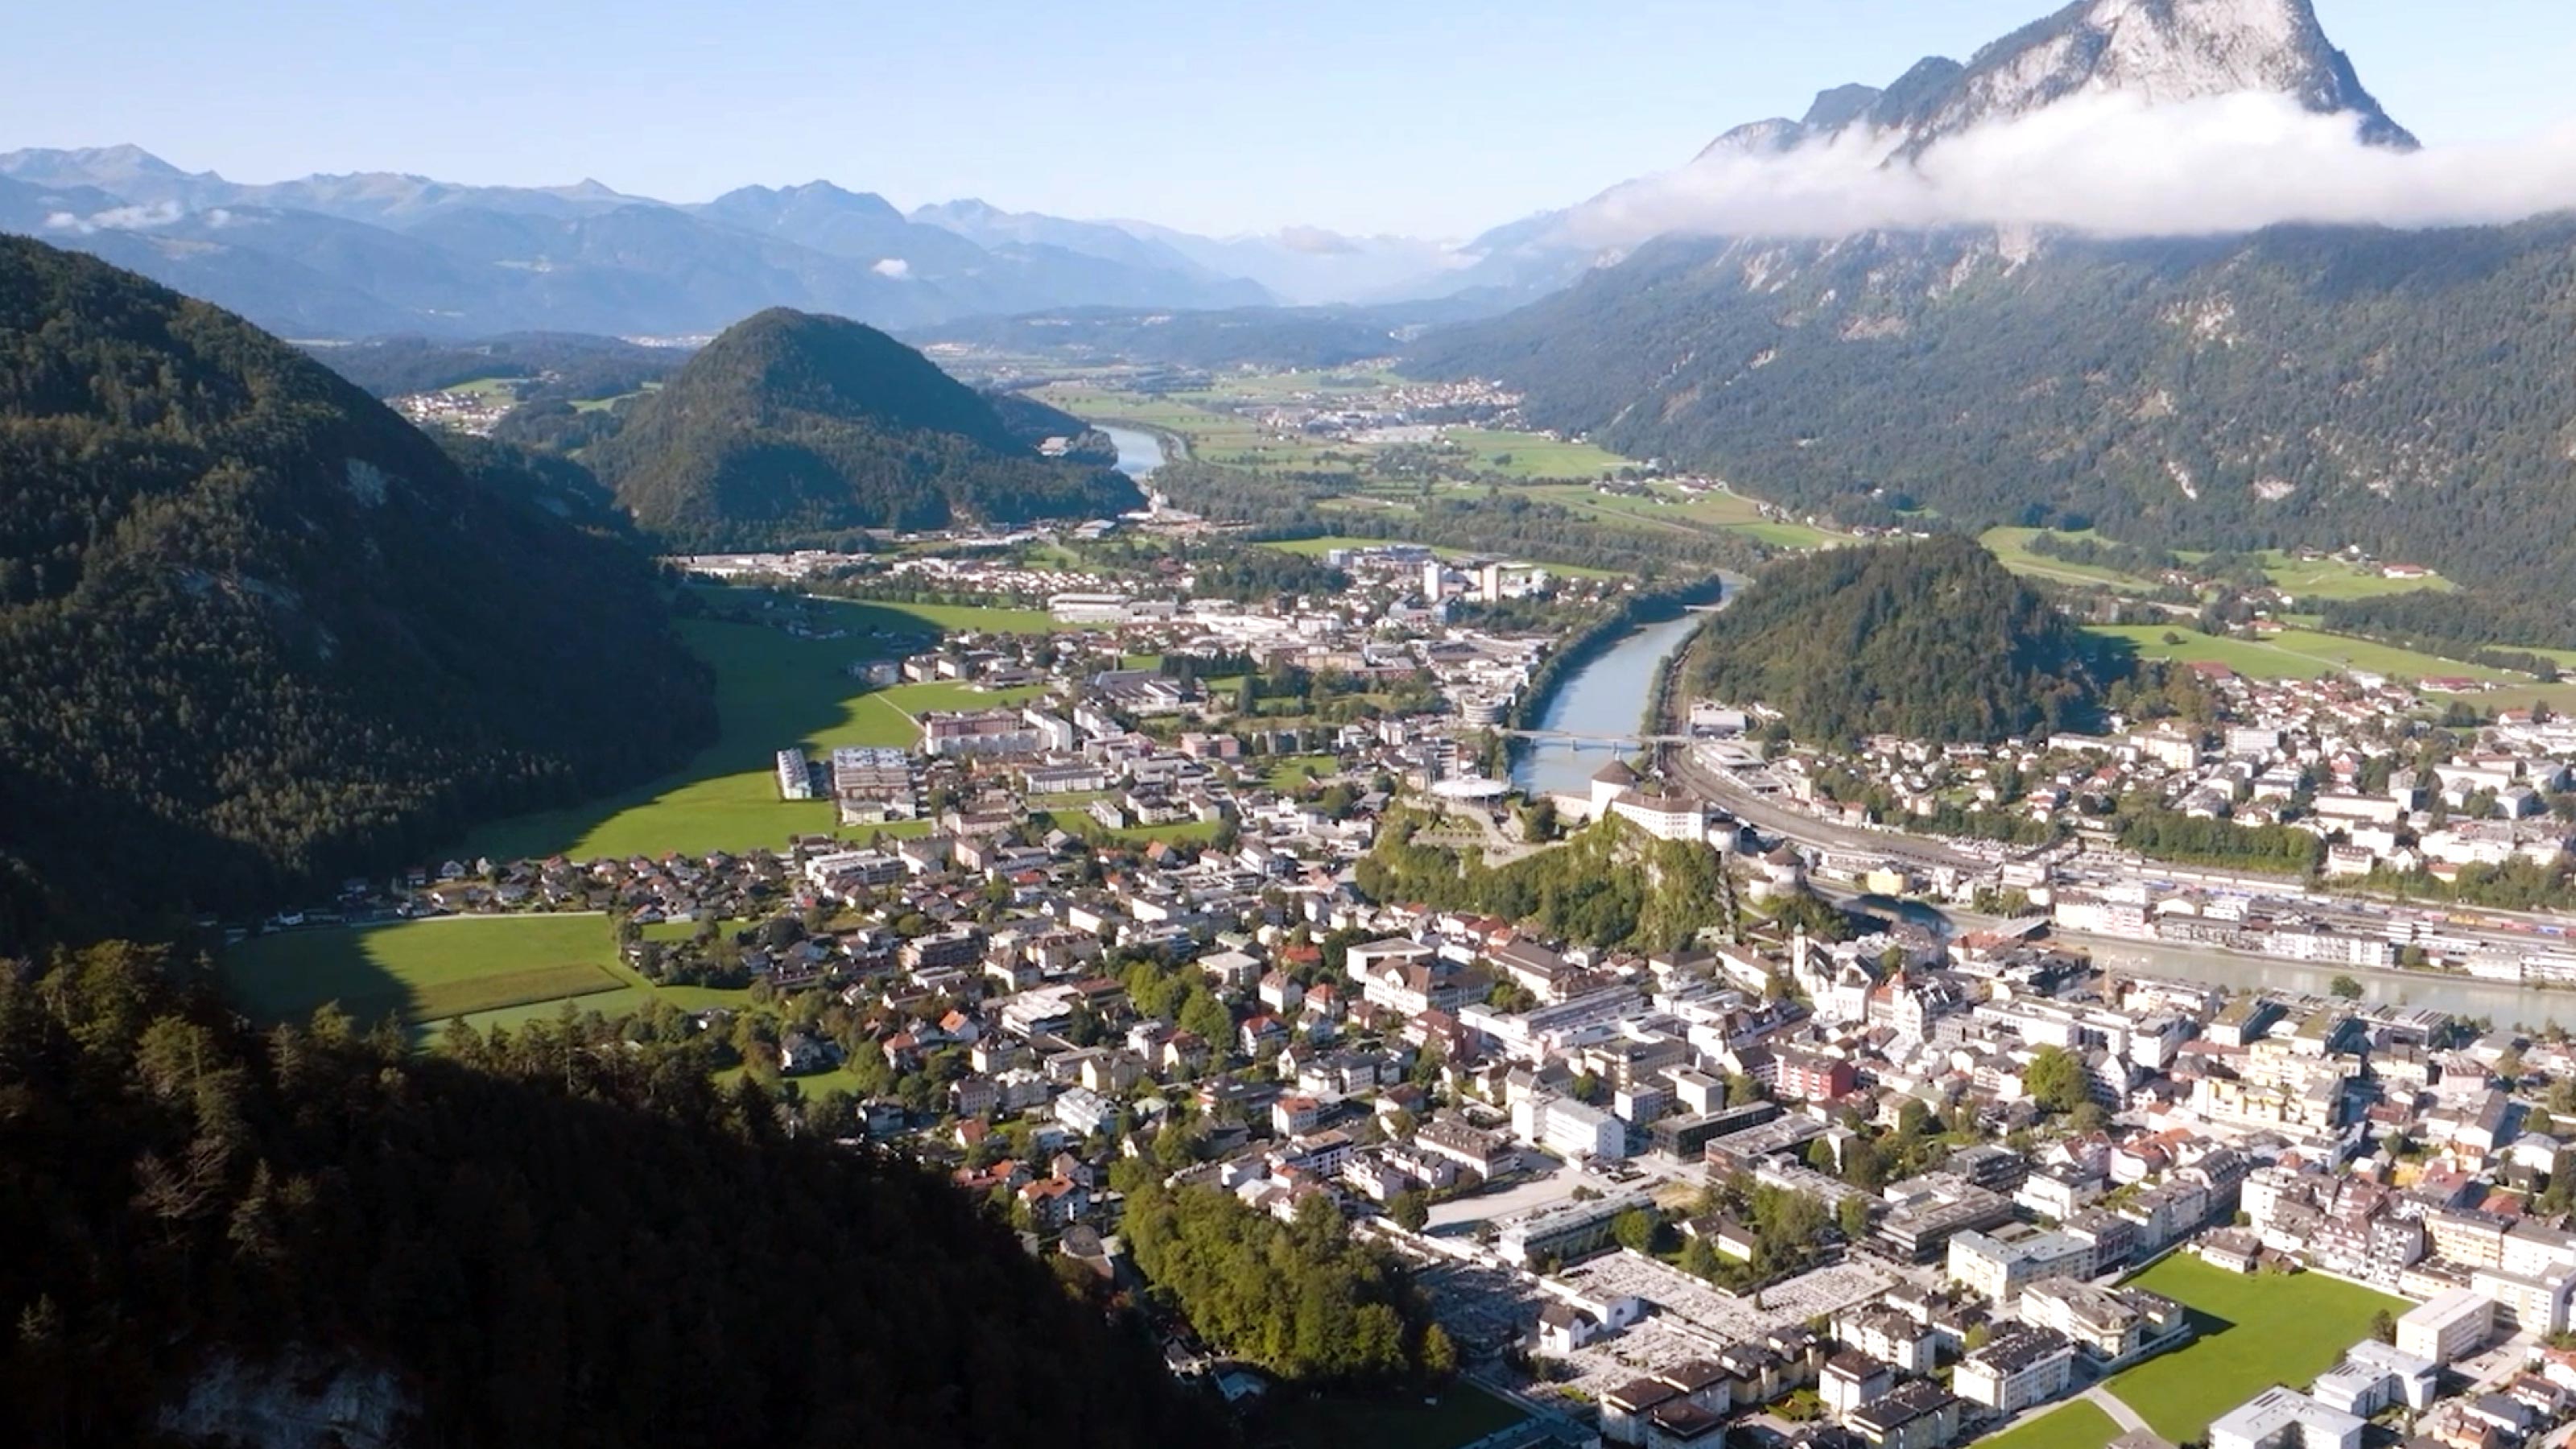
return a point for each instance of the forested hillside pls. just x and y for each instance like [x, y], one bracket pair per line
[2404, 391]
[793, 427]
[260, 633]
[546, 1238]
[1930, 640]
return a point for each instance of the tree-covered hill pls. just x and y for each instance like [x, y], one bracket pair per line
[2405, 391]
[792, 426]
[1930, 640]
[258, 632]
[551, 1239]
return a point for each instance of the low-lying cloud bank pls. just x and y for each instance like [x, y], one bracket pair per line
[2107, 164]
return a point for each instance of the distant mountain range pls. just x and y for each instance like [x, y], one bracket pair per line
[380, 254]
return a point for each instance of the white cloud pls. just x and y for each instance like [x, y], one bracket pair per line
[117, 218]
[2108, 164]
[894, 267]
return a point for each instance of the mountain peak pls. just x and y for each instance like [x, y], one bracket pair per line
[2162, 51]
[84, 165]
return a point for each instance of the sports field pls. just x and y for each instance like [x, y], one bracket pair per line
[423, 971]
[2073, 1424]
[2254, 1331]
[773, 690]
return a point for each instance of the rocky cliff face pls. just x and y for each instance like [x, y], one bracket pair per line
[2161, 51]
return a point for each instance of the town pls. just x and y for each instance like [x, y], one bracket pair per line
[1810, 1169]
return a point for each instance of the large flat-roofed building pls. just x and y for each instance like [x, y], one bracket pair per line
[1925, 1213]
[2448, 1328]
[1566, 1230]
[2000, 1268]
[1688, 1137]
[2375, 1376]
[979, 732]
[1564, 1125]
[2280, 1418]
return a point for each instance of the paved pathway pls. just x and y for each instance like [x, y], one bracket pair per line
[2126, 1417]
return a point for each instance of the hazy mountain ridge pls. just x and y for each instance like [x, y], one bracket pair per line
[377, 253]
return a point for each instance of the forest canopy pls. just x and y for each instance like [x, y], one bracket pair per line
[1930, 639]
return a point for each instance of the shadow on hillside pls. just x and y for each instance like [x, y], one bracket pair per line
[773, 691]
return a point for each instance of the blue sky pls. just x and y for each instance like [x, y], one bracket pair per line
[1425, 116]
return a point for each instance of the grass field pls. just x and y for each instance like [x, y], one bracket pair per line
[2073, 1424]
[1293, 771]
[1458, 1415]
[1532, 455]
[1668, 508]
[772, 691]
[2304, 580]
[2307, 654]
[2254, 1332]
[424, 971]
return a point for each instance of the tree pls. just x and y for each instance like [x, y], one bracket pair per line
[2055, 1078]
[2383, 1327]
[1978, 1336]
[1439, 1354]
[1852, 1216]
[1409, 1210]
[1636, 1228]
[2345, 987]
[1699, 1259]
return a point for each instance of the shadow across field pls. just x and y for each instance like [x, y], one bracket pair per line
[773, 691]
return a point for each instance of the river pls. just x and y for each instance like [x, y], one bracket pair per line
[1606, 696]
[1139, 453]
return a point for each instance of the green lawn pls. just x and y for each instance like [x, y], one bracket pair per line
[772, 691]
[1458, 1415]
[2073, 1424]
[1293, 771]
[2334, 579]
[1533, 455]
[2306, 654]
[2255, 1331]
[424, 971]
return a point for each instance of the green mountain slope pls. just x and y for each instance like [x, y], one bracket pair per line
[259, 632]
[792, 426]
[1930, 640]
[2404, 391]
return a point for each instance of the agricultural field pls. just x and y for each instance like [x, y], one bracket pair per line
[772, 691]
[425, 971]
[2072, 1424]
[1533, 455]
[2304, 580]
[2308, 654]
[1665, 507]
[2254, 1332]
